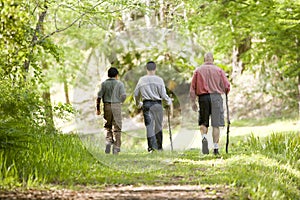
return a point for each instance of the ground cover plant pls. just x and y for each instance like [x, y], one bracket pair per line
[256, 167]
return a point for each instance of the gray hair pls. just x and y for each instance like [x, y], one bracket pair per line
[208, 57]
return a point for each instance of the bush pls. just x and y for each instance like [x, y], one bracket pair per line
[282, 146]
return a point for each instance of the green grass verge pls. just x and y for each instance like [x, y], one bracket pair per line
[255, 168]
[261, 121]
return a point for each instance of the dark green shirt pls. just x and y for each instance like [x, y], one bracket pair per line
[112, 91]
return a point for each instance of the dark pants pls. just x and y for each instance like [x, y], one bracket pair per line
[153, 118]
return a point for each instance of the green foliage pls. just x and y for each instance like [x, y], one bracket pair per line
[266, 23]
[45, 158]
[282, 146]
[20, 113]
[30, 154]
[15, 36]
[63, 111]
[256, 168]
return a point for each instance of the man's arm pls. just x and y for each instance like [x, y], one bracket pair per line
[98, 106]
[226, 83]
[137, 94]
[123, 93]
[163, 92]
[98, 101]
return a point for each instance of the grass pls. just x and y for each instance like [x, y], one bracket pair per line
[256, 167]
[261, 121]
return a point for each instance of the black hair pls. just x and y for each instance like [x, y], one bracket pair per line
[112, 72]
[151, 66]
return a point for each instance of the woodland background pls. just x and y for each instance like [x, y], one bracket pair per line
[55, 54]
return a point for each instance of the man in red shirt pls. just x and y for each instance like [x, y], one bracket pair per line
[208, 83]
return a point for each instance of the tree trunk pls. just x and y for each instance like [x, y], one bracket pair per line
[48, 110]
[147, 17]
[66, 90]
[299, 95]
[162, 12]
[38, 30]
[46, 94]
[237, 66]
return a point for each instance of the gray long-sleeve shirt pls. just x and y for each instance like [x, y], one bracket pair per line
[151, 87]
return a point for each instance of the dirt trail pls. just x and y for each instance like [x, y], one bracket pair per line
[124, 193]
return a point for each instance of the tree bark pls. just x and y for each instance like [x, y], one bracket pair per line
[46, 93]
[161, 11]
[299, 96]
[35, 37]
[66, 90]
[147, 17]
[48, 110]
[237, 66]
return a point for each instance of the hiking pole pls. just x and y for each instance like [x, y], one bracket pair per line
[170, 132]
[228, 123]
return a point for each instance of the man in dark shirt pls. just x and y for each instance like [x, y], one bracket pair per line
[208, 83]
[112, 93]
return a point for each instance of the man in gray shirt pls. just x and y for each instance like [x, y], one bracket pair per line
[151, 90]
[112, 93]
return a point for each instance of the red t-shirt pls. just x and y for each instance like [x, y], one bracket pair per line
[208, 79]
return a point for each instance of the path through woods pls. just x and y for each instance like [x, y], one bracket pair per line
[124, 193]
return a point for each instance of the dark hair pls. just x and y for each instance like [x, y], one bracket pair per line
[112, 72]
[151, 66]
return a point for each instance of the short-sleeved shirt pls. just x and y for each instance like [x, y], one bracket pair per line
[151, 87]
[208, 79]
[112, 91]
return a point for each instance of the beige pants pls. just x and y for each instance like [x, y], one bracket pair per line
[113, 123]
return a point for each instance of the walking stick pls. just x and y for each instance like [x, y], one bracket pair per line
[170, 133]
[228, 123]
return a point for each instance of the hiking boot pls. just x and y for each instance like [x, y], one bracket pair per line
[216, 152]
[205, 149]
[150, 150]
[107, 147]
[116, 150]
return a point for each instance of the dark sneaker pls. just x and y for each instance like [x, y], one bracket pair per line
[216, 152]
[150, 150]
[107, 148]
[205, 149]
[115, 152]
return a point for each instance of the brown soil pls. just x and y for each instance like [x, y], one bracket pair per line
[124, 193]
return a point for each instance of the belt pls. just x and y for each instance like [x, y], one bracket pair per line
[154, 101]
[205, 94]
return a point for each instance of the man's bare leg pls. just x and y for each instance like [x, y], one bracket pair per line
[203, 131]
[216, 137]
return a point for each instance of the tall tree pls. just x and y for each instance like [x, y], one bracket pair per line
[253, 33]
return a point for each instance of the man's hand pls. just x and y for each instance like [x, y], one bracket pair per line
[140, 105]
[226, 90]
[98, 112]
[170, 102]
[195, 107]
